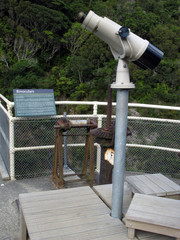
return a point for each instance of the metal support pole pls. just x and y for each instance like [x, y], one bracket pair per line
[119, 154]
[122, 85]
[65, 147]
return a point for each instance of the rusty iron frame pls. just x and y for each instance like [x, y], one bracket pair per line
[61, 126]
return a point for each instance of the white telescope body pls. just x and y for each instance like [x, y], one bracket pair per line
[131, 47]
[125, 46]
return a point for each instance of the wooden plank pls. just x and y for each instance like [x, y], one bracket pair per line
[79, 210]
[166, 184]
[142, 235]
[174, 196]
[151, 218]
[63, 215]
[161, 211]
[95, 234]
[36, 226]
[62, 193]
[153, 185]
[78, 214]
[105, 193]
[139, 185]
[160, 205]
[154, 228]
[154, 214]
[49, 205]
[118, 236]
[156, 200]
[131, 232]
[23, 226]
[68, 230]
[58, 200]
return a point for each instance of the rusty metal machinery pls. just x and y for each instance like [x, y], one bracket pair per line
[105, 137]
[62, 126]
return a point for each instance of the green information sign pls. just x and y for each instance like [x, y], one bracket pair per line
[34, 102]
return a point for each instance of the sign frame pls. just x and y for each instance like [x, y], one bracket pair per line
[34, 102]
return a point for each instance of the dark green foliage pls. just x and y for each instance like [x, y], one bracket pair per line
[43, 46]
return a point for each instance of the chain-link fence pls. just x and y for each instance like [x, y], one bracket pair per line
[34, 144]
[152, 147]
[158, 140]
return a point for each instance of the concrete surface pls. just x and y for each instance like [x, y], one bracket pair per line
[9, 204]
[9, 212]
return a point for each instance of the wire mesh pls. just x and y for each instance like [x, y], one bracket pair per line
[34, 132]
[41, 132]
[37, 132]
[153, 161]
[154, 133]
[33, 163]
[146, 132]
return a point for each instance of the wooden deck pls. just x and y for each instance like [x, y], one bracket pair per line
[105, 193]
[153, 214]
[68, 214]
[76, 214]
[154, 184]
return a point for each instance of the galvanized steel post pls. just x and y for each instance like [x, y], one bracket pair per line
[65, 147]
[122, 85]
[119, 152]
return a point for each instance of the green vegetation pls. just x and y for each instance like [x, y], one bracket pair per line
[42, 46]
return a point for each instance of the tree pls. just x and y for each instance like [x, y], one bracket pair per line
[74, 38]
[42, 40]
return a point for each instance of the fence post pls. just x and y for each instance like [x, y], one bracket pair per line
[11, 142]
[11, 148]
[95, 109]
[98, 158]
[65, 147]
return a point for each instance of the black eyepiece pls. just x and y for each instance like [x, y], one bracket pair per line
[81, 17]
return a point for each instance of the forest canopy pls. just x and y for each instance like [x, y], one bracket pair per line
[43, 46]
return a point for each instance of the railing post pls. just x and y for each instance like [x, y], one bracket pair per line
[95, 109]
[98, 158]
[11, 148]
[65, 147]
[99, 122]
[11, 142]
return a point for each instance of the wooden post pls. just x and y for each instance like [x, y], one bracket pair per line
[131, 233]
[23, 227]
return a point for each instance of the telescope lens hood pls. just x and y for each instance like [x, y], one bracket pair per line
[150, 58]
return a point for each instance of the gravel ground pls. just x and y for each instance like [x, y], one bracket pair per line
[9, 207]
